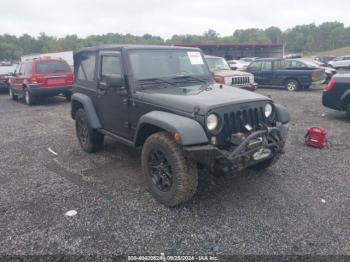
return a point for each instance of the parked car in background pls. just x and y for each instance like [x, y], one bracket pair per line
[238, 64]
[340, 62]
[248, 59]
[337, 93]
[41, 77]
[324, 59]
[275, 72]
[4, 82]
[6, 63]
[224, 75]
[163, 99]
[296, 55]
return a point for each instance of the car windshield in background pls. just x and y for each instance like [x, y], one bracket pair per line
[217, 64]
[52, 67]
[168, 64]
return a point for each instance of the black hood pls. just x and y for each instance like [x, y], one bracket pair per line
[199, 98]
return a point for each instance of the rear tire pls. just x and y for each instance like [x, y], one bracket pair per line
[292, 85]
[171, 179]
[12, 95]
[28, 97]
[89, 139]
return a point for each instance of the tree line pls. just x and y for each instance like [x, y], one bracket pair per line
[301, 38]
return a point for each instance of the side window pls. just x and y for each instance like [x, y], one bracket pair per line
[86, 70]
[281, 64]
[27, 68]
[255, 66]
[110, 66]
[267, 66]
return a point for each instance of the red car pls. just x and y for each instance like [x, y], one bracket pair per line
[224, 75]
[41, 77]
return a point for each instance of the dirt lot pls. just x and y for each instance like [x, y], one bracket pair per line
[299, 206]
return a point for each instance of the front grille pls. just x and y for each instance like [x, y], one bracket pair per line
[234, 122]
[240, 80]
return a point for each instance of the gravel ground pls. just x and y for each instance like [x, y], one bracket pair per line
[299, 206]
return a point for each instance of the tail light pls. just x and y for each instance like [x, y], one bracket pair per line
[33, 79]
[330, 85]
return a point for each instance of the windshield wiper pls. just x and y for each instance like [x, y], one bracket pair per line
[189, 78]
[151, 82]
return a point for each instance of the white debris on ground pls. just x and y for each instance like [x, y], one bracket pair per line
[52, 152]
[71, 213]
[323, 201]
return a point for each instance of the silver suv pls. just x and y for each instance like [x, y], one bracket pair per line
[340, 61]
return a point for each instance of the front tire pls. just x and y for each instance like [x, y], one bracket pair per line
[171, 179]
[89, 139]
[348, 111]
[292, 85]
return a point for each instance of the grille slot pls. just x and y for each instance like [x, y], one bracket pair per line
[240, 80]
[235, 121]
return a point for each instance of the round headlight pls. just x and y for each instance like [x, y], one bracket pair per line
[212, 122]
[268, 110]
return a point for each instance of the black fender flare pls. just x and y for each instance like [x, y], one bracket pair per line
[191, 132]
[282, 114]
[89, 108]
[345, 98]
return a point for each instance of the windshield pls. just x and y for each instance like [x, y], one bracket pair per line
[217, 64]
[150, 64]
[52, 67]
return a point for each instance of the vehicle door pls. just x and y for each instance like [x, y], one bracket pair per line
[112, 102]
[255, 69]
[267, 73]
[280, 71]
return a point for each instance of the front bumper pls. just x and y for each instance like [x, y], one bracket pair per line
[243, 155]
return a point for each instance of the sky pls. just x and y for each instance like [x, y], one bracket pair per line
[163, 17]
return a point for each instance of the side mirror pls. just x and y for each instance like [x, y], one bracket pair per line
[114, 81]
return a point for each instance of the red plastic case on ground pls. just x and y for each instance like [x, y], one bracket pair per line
[316, 136]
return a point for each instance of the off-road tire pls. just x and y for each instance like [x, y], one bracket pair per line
[29, 99]
[184, 173]
[12, 95]
[92, 140]
[265, 164]
[292, 85]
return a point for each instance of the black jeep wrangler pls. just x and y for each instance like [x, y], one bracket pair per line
[164, 99]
